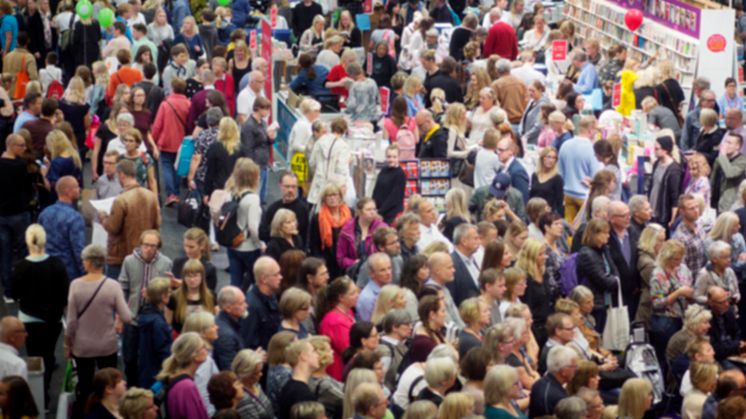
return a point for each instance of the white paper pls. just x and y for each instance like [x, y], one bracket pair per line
[103, 204]
[99, 235]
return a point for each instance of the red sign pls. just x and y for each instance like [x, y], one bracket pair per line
[369, 64]
[267, 55]
[368, 6]
[716, 43]
[616, 95]
[385, 94]
[559, 50]
[252, 40]
[273, 16]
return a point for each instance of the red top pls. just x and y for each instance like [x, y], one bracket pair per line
[126, 75]
[337, 325]
[501, 40]
[337, 73]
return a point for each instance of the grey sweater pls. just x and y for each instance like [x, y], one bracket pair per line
[136, 274]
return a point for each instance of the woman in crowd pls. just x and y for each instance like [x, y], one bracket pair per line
[635, 399]
[710, 135]
[16, 399]
[145, 167]
[295, 307]
[586, 375]
[412, 93]
[496, 256]
[670, 291]
[138, 403]
[595, 263]
[478, 80]
[476, 315]
[189, 36]
[668, 89]
[546, 182]
[326, 227]
[346, 28]
[64, 160]
[414, 273]
[108, 391]
[391, 297]
[203, 323]
[225, 390]
[608, 158]
[87, 39]
[337, 318]
[473, 367]
[456, 405]
[284, 234]
[717, 273]
[516, 283]
[727, 229]
[480, 119]
[730, 99]
[313, 38]
[159, 31]
[329, 391]
[384, 65]
[183, 399]
[240, 64]
[553, 226]
[90, 335]
[222, 155]
[363, 336]
[399, 119]
[428, 335]
[196, 247]
[279, 371]
[519, 357]
[39, 284]
[143, 117]
[192, 296]
[704, 377]
[355, 241]
[75, 109]
[699, 170]
[107, 131]
[311, 78]
[649, 245]
[457, 212]
[696, 326]
[540, 293]
[501, 389]
[455, 121]
[515, 236]
[248, 366]
[243, 186]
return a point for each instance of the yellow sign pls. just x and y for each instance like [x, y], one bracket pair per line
[299, 166]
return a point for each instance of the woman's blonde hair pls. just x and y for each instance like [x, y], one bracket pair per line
[75, 91]
[671, 249]
[36, 238]
[60, 146]
[437, 100]
[723, 227]
[198, 322]
[339, 21]
[566, 306]
[135, 402]
[699, 161]
[281, 216]
[356, 377]
[412, 86]
[515, 229]
[649, 237]
[513, 276]
[100, 73]
[323, 347]
[293, 300]
[455, 117]
[194, 24]
[240, 45]
[245, 363]
[457, 204]
[229, 134]
[528, 256]
[474, 89]
[421, 409]
[540, 169]
[245, 177]
[385, 302]
[456, 406]
[183, 351]
[497, 384]
[665, 71]
[632, 400]
[469, 310]
[694, 315]
[646, 78]
[704, 376]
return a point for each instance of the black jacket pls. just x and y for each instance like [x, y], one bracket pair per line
[300, 207]
[670, 187]
[628, 273]
[459, 38]
[86, 40]
[383, 69]
[708, 143]
[545, 394]
[596, 266]
[463, 285]
[389, 192]
[278, 245]
[154, 340]
[436, 147]
[229, 340]
[725, 335]
[447, 83]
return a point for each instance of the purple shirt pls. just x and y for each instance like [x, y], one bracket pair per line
[184, 401]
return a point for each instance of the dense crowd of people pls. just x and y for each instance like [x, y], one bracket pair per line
[496, 302]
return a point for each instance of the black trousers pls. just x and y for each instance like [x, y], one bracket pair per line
[87, 368]
[42, 341]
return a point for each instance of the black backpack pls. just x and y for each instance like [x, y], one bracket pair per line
[227, 231]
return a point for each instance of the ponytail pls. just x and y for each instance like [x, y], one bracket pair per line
[329, 296]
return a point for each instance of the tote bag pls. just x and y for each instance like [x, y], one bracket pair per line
[616, 329]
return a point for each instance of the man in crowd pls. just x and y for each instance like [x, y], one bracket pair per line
[257, 139]
[434, 139]
[692, 126]
[408, 227]
[379, 266]
[501, 39]
[232, 303]
[549, 389]
[623, 248]
[730, 383]
[577, 165]
[145, 263]
[466, 281]
[303, 14]
[385, 240]
[441, 273]
[304, 360]
[40, 127]
[728, 172]
[12, 339]
[290, 200]
[445, 78]
[641, 213]
[734, 123]
[31, 110]
[429, 231]
[506, 150]
[17, 191]
[126, 74]
[264, 311]
[133, 211]
[247, 96]
[65, 227]
[397, 328]
[588, 78]
[198, 101]
[510, 92]
[725, 334]
[690, 234]
[492, 286]
[108, 186]
[561, 331]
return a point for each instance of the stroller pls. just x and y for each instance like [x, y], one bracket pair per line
[641, 360]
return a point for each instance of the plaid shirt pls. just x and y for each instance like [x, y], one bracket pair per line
[694, 242]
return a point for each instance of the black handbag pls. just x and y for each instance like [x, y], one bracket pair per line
[189, 209]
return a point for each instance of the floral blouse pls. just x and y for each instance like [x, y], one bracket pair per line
[552, 266]
[661, 286]
[700, 185]
[738, 246]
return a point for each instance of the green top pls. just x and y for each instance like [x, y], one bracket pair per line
[491, 412]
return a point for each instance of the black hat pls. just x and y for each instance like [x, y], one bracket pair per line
[500, 185]
[666, 143]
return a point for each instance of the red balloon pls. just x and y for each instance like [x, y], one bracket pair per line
[633, 19]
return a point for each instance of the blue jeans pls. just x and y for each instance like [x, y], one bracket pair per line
[263, 175]
[170, 178]
[241, 265]
[12, 231]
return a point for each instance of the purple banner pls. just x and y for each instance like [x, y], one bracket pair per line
[675, 14]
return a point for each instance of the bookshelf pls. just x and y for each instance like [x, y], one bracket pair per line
[691, 36]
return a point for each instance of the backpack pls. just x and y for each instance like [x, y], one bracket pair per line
[22, 79]
[66, 39]
[407, 142]
[160, 393]
[227, 231]
[55, 90]
[568, 274]
[392, 374]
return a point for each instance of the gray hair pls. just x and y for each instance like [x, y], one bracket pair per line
[717, 248]
[461, 230]
[570, 408]
[395, 318]
[581, 293]
[600, 203]
[518, 325]
[199, 321]
[227, 295]
[439, 371]
[696, 314]
[126, 117]
[443, 351]
[560, 357]
[503, 66]
[376, 258]
[498, 382]
[637, 202]
[95, 255]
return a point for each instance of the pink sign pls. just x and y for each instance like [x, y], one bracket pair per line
[559, 50]
[385, 94]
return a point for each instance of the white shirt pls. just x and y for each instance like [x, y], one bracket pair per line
[527, 74]
[245, 101]
[117, 145]
[49, 74]
[479, 256]
[431, 234]
[486, 166]
[301, 138]
[327, 58]
[11, 363]
[401, 395]
[204, 372]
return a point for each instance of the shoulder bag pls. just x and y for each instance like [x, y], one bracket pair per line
[93, 297]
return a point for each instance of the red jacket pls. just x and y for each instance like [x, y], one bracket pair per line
[169, 128]
[228, 88]
[127, 75]
[501, 40]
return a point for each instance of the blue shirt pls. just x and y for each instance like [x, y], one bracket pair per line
[263, 321]
[65, 235]
[22, 118]
[9, 24]
[577, 161]
[302, 84]
[587, 80]
[366, 303]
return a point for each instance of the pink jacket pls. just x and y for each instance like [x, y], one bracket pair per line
[336, 325]
[346, 249]
[169, 128]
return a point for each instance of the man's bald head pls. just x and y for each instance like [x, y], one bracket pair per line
[12, 332]
[735, 375]
[423, 116]
[716, 293]
[67, 188]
